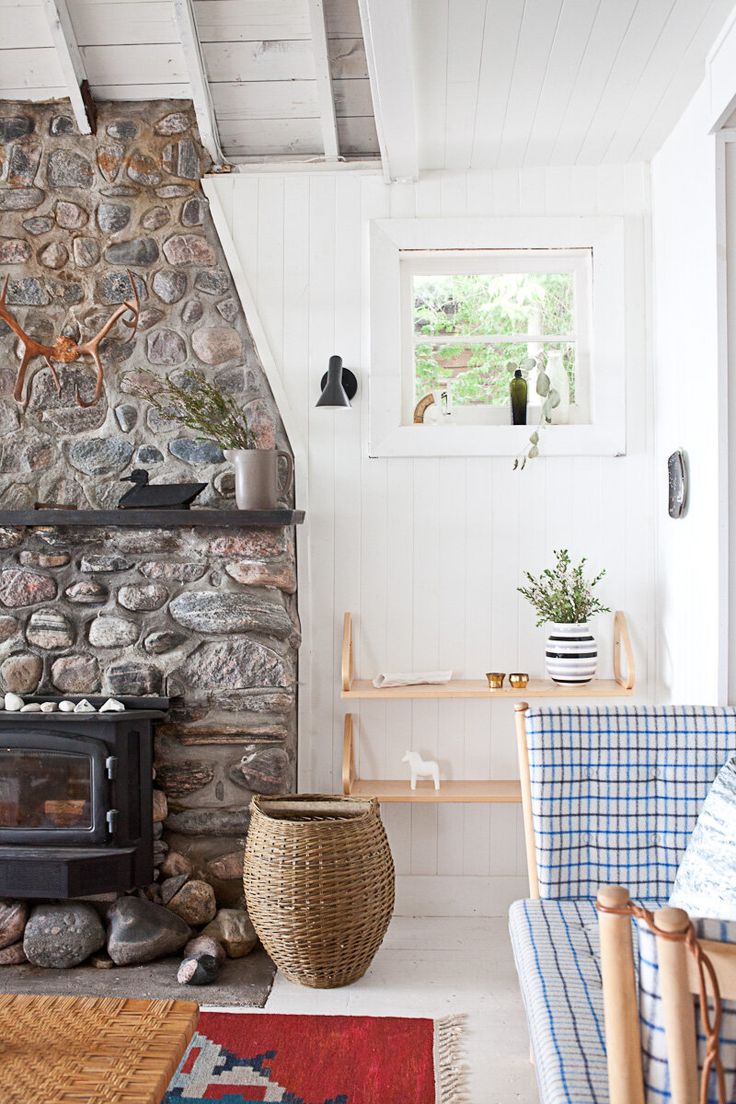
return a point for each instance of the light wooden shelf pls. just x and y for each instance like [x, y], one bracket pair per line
[472, 791]
[450, 793]
[621, 685]
[467, 791]
[363, 690]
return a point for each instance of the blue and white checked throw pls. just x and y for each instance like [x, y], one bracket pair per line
[616, 793]
[654, 1049]
[556, 949]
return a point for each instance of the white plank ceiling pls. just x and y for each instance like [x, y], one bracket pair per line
[506, 83]
[499, 83]
[258, 56]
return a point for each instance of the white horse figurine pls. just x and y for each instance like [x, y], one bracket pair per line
[421, 768]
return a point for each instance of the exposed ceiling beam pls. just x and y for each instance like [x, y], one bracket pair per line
[388, 49]
[72, 65]
[325, 98]
[197, 73]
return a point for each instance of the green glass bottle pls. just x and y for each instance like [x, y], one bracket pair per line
[518, 389]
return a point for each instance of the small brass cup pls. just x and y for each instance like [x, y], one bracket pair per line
[518, 680]
[495, 680]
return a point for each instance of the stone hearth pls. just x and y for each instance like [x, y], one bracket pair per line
[207, 616]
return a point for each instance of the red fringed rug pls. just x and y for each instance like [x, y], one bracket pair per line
[248, 1058]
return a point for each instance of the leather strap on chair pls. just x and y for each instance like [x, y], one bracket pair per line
[706, 973]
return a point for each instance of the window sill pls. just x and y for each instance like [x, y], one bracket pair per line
[498, 440]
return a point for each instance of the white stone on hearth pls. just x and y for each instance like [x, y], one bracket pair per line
[49, 707]
[66, 706]
[32, 707]
[112, 705]
[13, 702]
[84, 707]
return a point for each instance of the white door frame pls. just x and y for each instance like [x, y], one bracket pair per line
[725, 205]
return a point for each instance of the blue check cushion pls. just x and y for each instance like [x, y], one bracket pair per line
[616, 793]
[556, 948]
[653, 1044]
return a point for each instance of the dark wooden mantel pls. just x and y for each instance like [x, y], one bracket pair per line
[155, 519]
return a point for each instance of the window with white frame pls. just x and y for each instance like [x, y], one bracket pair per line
[456, 305]
[471, 318]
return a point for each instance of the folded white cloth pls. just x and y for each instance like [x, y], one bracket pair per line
[411, 678]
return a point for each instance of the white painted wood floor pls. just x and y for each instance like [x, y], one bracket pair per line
[439, 966]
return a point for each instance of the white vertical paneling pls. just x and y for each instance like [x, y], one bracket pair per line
[480, 508]
[270, 270]
[326, 720]
[398, 721]
[686, 416]
[452, 565]
[428, 553]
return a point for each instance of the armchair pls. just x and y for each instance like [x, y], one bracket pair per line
[609, 796]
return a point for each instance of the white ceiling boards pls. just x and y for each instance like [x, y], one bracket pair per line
[266, 80]
[456, 84]
[505, 83]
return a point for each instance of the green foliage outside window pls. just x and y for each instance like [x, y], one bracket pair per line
[492, 305]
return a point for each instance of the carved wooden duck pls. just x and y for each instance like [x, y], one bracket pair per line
[157, 496]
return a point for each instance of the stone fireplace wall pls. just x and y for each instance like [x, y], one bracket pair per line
[207, 616]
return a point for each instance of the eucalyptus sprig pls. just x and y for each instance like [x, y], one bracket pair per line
[563, 595]
[551, 397]
[201, 406]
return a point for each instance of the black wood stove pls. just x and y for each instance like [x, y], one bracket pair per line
[75, 799]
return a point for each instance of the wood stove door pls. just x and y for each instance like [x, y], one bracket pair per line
[53, 789]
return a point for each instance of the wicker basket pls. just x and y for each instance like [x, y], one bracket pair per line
[319, 885]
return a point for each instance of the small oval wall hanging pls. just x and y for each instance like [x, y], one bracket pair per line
[678, 484]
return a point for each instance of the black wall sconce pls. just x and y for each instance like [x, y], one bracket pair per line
[338, 384]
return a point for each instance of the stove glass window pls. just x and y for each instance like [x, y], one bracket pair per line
[45, 789]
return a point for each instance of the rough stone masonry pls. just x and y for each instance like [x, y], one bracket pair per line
[206, 616]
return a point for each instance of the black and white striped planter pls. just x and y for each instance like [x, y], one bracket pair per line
[571, 654]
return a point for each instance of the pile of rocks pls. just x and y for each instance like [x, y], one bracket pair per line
[14, 703]
[128, 931]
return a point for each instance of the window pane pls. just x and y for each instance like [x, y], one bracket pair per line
[494, 304]
[480, 374]
[45, 789]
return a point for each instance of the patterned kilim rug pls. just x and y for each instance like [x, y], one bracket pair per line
[243, 1059]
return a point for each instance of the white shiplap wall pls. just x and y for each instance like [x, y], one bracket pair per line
[688, 416]
[427, 553]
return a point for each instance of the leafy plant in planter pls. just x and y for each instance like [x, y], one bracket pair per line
[199, 405]
[563, 598]
[562, 594]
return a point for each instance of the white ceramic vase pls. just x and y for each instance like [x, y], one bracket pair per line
[571, 654]
[559, 381]
[257, 477]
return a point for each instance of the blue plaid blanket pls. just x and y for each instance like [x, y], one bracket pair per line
[556, 949]
[616, 793]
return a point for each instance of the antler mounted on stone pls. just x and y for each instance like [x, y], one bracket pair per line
[65, 350]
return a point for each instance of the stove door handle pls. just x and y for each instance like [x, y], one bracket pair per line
[111, 817]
